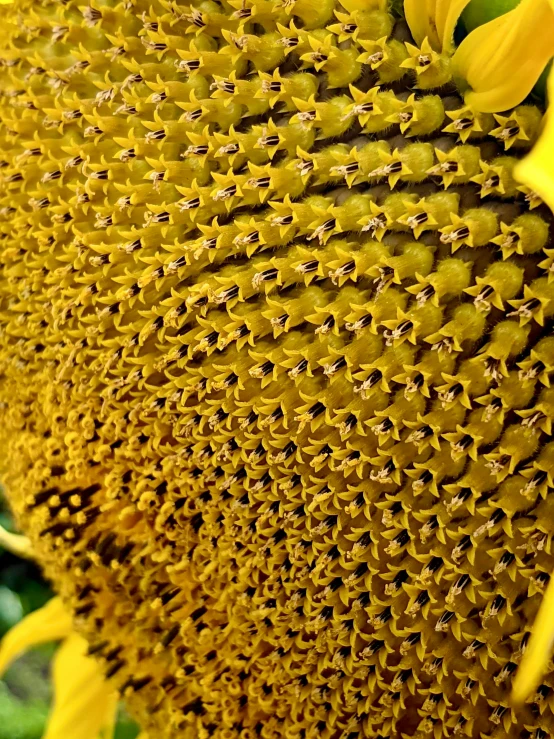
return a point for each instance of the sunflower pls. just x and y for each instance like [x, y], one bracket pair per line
[276, 308]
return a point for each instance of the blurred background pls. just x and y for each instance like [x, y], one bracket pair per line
[26, 691]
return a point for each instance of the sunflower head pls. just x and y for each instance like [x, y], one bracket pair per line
[276, 300]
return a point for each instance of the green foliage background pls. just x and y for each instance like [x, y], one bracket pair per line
[26, 691]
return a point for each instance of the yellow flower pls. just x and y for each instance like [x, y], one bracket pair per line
[500, 62]
[537, 169]
[276, 304]
[15, 543]
[434, 20]
[84, 705]
[495, 62]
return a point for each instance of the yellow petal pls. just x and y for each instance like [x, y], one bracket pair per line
[435, 20]
[47, 624]
[418, 17]
[539, 650]
[84, 703]
[502, 60]
[537, 169]
[448, 14]
[15, 543]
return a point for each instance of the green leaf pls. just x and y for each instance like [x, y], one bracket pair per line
[11, 609]
[20, 720]
[479, 12]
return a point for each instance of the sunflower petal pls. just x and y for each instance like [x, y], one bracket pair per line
[436, 21]
[448, 14]
[419, 21]
[84, 703]
[539, 649]
[15, 543]
[495, 59]
[537, 169]
[47, 624]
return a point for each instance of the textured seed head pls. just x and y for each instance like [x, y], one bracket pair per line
[275, 365]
